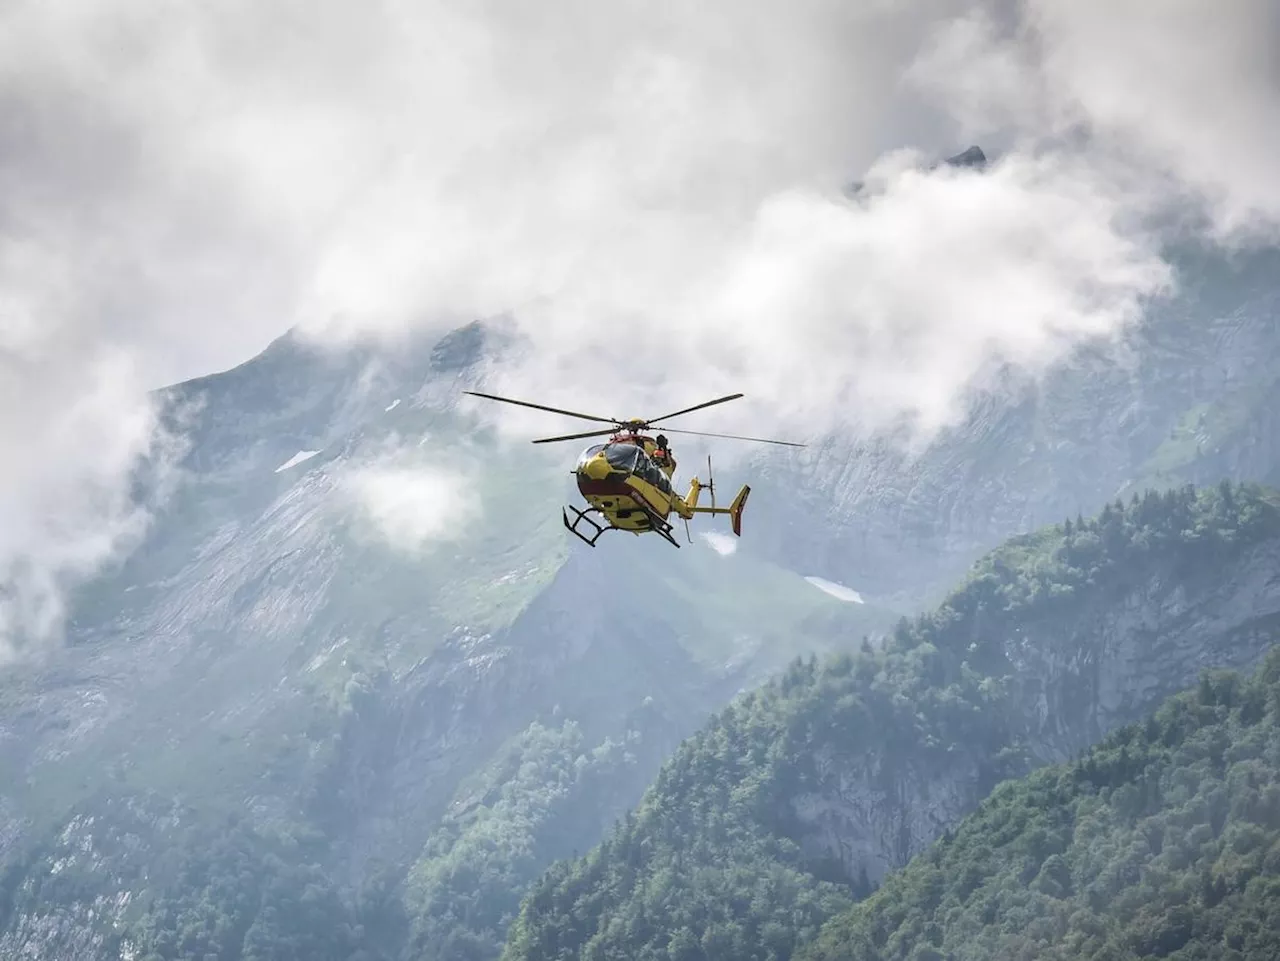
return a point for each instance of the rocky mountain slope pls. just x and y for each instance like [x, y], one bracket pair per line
[308, 639]
[800, 796]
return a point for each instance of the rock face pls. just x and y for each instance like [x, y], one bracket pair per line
[871, 816]
[970, 157]
[1118, 661]
[1071, 682]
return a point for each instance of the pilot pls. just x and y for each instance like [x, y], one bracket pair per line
[662, 455]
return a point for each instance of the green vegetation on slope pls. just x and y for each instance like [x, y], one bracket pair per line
[541, 800]
[711, 865]
[145, 879]
[1163, 842]
[239, 894]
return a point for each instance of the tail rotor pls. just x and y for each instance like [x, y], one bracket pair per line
[734, 510]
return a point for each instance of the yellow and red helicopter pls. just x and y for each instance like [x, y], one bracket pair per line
[627, 480]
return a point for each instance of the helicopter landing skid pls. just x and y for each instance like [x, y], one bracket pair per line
[581, 517]
[660, 525]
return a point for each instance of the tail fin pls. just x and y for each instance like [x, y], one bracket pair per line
[735, 509]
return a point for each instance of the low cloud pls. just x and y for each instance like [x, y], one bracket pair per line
[1182, 97]
[722, 544]
[75, 487]
[654, 192]
[874, 313]
[413, 506]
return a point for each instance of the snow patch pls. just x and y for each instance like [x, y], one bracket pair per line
[297, 459]
[836, 590]
[393, 405]
[722, 544]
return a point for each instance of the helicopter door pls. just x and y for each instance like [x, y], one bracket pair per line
[650, 472]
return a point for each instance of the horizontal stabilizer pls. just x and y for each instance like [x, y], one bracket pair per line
[734, 510]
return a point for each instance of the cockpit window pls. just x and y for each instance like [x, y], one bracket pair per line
[634, 460]
[630, 459]
[589, 453]
[626, 457]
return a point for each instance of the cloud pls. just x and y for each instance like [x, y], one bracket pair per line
[81, 444]
[413, 506]
[722, 544]
[863, 313]
[655, 191]
[1182, 92]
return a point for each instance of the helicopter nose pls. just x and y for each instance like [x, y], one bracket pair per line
[597, 468]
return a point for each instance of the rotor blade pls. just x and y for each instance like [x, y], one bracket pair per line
[760, 440]
[590, 433]
[554, 410]
[710, 403]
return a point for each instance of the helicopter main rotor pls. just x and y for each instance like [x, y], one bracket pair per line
[635, 425]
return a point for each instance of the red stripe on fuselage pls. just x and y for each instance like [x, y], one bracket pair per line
[607, 488]
[603, 488]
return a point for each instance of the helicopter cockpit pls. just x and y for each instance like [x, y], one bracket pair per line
[630, 458]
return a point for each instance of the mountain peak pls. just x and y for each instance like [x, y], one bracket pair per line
[971, 157]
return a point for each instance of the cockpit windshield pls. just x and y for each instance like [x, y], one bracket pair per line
[630, 459]
[627, 457]
[589, 453]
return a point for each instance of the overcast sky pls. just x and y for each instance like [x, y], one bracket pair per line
[654, 187]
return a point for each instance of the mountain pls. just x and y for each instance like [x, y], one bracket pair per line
[971, 157]
[802, 795]
[1162, 842]
[358, 656]
[309, 643]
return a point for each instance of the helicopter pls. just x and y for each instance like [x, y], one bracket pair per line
[627, 479]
